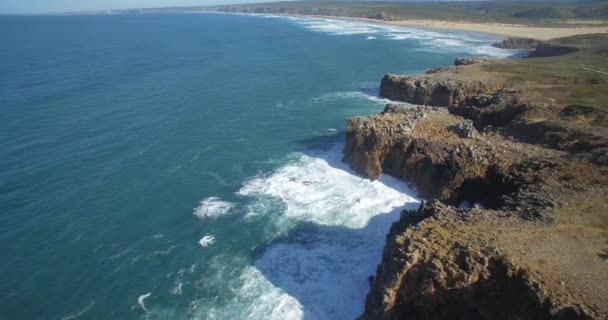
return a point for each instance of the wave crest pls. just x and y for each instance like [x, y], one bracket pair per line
[211, 208]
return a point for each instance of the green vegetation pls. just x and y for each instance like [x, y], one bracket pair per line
[575, 78]
[524, 12]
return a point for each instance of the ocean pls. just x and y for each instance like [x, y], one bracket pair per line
[188, 166]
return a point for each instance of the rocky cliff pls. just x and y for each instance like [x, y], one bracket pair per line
[434, 89]
[517, 43]
[530, 239]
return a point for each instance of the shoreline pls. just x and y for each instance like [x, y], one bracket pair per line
[500, 29]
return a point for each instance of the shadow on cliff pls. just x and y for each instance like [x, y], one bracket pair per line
[327, 268]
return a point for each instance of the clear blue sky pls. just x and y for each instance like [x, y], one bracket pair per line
[37, 6]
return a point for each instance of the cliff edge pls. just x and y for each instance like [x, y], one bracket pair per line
[518, 224]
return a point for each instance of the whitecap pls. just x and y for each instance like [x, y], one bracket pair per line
[207, 240]
[212, 208]
[140, 300]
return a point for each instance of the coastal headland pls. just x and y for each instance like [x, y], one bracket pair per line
[512, 155]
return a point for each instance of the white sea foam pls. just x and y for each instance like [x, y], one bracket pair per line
[270, 302]
[456, 41]
[324, 191]
[207, 241]
[255, 298]
[352, 95]
[141, 302]
[432, 40]
[323, 272]
[212, 208]
[335, 223]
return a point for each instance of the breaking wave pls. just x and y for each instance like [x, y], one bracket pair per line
[334, 225]
[455, 41]
[212, 208]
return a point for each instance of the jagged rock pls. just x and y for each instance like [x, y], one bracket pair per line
[441, 262]
[395, 108]
[381, 16]
[471, 60]
[496, 110]
[465, 129]
[436, 70]
[432, 149]
[517, 43]
[424, 275]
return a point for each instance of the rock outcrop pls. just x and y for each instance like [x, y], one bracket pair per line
[433, 89]
[537, 48]
[517, 43]
[441, 262]
[443, 87]
[471, 60]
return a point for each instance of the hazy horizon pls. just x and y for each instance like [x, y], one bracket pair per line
[38, 6]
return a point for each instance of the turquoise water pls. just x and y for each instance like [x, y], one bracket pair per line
[126, 139]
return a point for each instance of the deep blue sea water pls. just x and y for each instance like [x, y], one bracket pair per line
[126, 139]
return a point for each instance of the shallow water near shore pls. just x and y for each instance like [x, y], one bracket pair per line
[127, 139]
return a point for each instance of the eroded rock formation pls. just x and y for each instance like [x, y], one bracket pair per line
[537, 182]
[434, 89]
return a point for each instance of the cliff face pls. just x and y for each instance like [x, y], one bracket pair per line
[481, 263]
[435, 267]
[537, 48]
[460, 85]
[433, 89]
[422, 146]
[536, 178]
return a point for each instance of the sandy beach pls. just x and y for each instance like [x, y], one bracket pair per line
[513, 30]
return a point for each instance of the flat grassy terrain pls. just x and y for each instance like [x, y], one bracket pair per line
[576, 78]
